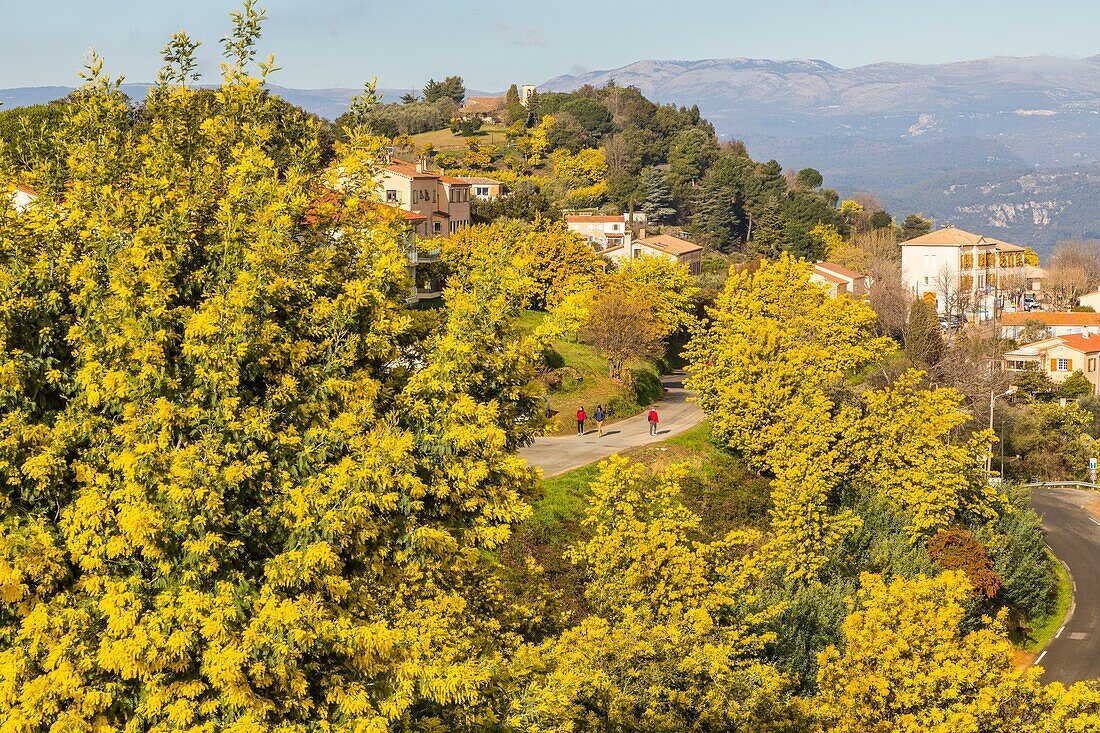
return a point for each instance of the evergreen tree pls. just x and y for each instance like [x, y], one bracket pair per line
[767, 233]
[923, 341]
[914, 226]
[657, 201]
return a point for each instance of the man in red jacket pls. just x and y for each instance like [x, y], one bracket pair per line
[653, 420]
[581, 417]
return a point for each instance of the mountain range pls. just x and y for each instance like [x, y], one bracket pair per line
[1007, 146]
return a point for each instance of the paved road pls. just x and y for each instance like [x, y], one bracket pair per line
[564, 453]
[1074, 536]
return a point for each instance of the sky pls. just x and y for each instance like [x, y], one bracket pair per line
[494, 43]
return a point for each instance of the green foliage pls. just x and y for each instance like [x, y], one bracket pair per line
[656, 197]
[914, 226]
[452, 89]
[1075, 385]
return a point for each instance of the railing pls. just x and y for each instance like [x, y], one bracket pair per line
[428, 255]
[1063, 485]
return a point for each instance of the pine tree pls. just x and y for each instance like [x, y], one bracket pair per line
[657, 202]
[923, 340]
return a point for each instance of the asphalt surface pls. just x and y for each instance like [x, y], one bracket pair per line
[1073, 534]
[564, 453]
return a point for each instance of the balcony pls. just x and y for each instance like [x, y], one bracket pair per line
[428, 255]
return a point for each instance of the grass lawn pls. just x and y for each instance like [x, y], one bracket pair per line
[1044, 628]
[718, 488]
[446, 140]
[584, 380]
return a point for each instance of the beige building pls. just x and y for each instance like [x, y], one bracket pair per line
[1046, 324]
[443, 201]
[485, 188]
[1059, 358]
[963, 272]
[602, 232]
[660, 245]
[838, 280]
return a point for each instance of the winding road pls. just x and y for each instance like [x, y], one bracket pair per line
[564, 453]
[1073, 534]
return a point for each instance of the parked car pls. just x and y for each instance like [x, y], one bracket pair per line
[1030, 303]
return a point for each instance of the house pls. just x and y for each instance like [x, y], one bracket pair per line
[1059, 357]
[487, 109]
[1091, 300]
[840, 280]
[660, 245]
[525, 93]
[443, 200]
[22, 197]
[963, 272]
[1042, 324]
[485, 188]
[602, 232]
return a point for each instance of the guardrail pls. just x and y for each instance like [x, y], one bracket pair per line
[1063, 485]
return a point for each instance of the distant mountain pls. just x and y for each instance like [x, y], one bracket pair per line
[1008, 144]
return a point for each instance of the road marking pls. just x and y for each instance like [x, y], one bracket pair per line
[1093, 520]
[1060, 630]
[1040, 658]
[1078, 635]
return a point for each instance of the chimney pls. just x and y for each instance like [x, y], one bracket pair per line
[641, 233]
[422, 164]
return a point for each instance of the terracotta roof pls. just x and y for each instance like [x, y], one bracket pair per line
[481, 180]
[483, 104]
[587, 219]
[452, 181]
[413, 216]
[839, 270]
[955, 237]
[1058, 318]
[670, 244]
[442, 214]
[408, 170]
[26, 189]
[826, 275]
[1079, 342]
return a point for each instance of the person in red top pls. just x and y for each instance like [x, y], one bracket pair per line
[581, 417]
[653, 420]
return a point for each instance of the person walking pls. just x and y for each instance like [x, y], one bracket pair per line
[599, 415]
[581, 417]
[653, 420]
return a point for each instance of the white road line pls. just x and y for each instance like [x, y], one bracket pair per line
[1040, 657]
[1060, 630]
[1093, 520]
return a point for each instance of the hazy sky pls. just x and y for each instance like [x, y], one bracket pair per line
[492, 43]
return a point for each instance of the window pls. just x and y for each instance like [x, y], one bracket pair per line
[391, 196]
[926, 280]
[1092, 363]
[416, 196]
[1062, 365]
[437, 227]
[481, 190]
[695, 268]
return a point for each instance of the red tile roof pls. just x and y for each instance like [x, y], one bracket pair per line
[839, 270]
[1057, 318]
[670, 244]
[586, 219]
[1079, 342]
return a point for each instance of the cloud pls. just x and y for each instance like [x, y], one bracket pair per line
[520, 35]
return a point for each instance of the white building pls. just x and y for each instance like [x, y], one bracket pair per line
[838, 280]
[963, 272]
[22, 197]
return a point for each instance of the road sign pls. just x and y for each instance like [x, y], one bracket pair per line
[1092, 470]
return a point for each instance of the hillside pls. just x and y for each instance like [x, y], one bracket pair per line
[908, 132]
